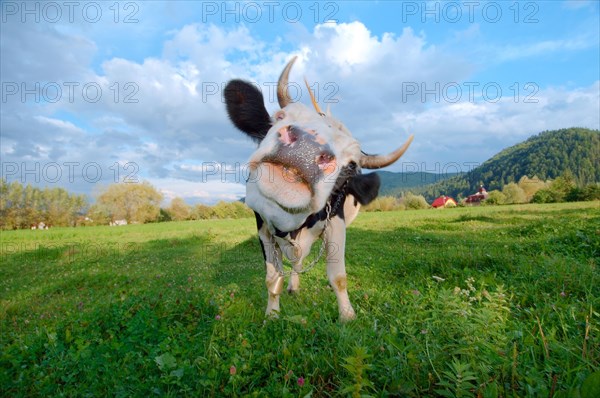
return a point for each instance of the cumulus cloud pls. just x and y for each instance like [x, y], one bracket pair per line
[162, 117]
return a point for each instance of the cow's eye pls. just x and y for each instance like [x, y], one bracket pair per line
[280, 115]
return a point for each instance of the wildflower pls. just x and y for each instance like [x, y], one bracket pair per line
[232, 370]
[563, 294]
[218, 317]
[424, 331]
[301, 381]
[415, 292]
[288, 375]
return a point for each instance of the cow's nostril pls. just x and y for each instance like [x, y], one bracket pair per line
[287, 135]
[324, 158]
[292, 135]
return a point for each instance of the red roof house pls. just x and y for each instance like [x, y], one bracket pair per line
[443, 201]
[476, 199]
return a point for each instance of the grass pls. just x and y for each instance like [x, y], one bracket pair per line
[467, 302]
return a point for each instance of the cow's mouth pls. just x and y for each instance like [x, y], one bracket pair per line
[285, 185]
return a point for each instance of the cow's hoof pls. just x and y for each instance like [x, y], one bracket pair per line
[292, 290]
[272, 314]
[347, 314]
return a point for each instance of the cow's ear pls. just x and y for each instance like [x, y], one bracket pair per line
[246, 109]
[364, 187]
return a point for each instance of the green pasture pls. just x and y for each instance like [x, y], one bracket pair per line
[466, 302]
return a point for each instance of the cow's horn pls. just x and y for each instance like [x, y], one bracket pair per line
[282, 85]
[379, 161]
[312, 98]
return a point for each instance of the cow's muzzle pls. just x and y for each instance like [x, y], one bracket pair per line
[290, 173]
[304, 155]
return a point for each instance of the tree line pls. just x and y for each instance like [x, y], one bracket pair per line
[27, 206]
[527, 190]
[547, 155]
[23, 207]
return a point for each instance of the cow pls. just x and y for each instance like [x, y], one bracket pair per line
[305, 182]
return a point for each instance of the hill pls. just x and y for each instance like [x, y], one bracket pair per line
[546, 155]
[393, 183]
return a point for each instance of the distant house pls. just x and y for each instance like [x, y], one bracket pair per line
[443, 201]
[40, 225]
[475, 199]
[117, 223]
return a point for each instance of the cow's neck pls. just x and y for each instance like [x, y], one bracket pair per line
[333, 207]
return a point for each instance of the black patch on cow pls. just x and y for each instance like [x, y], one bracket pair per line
[280, 234]
[259, 224]
[246, 109]
[259, 221]
[364, 187]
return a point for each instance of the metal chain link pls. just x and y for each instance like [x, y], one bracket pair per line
[279, 265]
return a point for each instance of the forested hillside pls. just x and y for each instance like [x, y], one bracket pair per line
[546, 155]
[392, 183]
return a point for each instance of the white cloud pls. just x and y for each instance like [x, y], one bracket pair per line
[164, 113]
[478, 130]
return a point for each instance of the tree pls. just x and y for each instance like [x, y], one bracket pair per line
[530, 186]
[562, 185]
[179, 210]
[21, 206]
[384, 203]
[131, 202]
[513, 194]
[416, 202]
[495, 197]
[545, 196]
[202, 212]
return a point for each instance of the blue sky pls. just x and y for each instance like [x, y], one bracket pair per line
[133, 89]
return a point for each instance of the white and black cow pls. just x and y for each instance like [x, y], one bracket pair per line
[305, 182]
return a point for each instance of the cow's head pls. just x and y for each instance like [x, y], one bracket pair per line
[303, 155]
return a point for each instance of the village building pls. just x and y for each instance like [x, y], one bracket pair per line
[477, 198]
[443, 201]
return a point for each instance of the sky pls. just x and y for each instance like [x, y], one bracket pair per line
[96, 93]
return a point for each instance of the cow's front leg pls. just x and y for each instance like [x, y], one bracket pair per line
[297, 256]
[297, 250]
[274, 279]
[272, 256]
[335, 235]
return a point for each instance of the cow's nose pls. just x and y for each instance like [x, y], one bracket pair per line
[304, 151]
[288, 135]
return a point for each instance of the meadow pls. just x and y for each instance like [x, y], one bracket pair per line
[467, 302]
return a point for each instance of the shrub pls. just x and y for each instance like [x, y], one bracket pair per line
[414, 202]
[545, 196]
[384, 203]
[495, 197]
[513, 194]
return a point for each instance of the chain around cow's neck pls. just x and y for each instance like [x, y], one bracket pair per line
[279, 264]
[330, 209]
